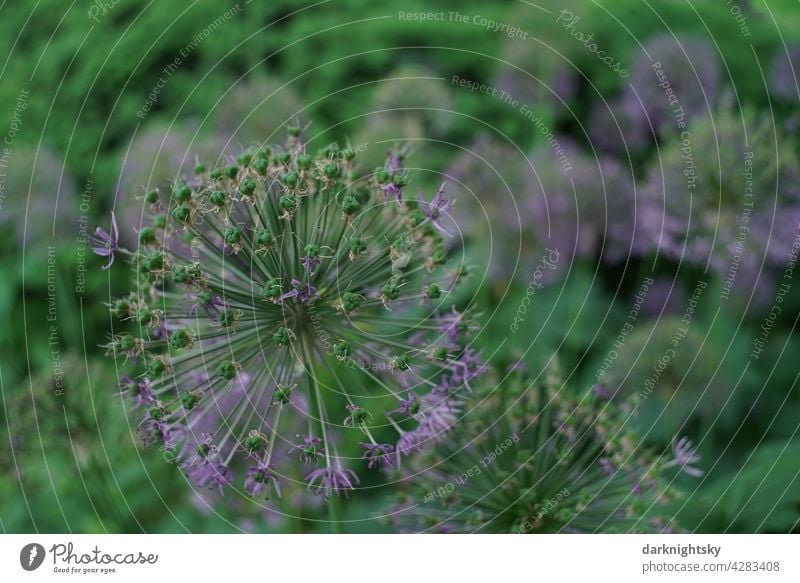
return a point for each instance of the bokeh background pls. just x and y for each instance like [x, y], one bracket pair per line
[607, 158]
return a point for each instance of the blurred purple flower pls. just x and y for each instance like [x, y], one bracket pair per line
[331, 480]
[262, 478]
[436, 208]
[685, 456]
[690, 66]
[105, 244]
[377, 454]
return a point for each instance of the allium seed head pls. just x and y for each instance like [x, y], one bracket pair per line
[295, 277]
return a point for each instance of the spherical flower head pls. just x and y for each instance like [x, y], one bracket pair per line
[692, 69]
[699, 204]
[673, 374]
[619, 126]
[415, 93]
[538, 458]
[581, 204]
[298, 280]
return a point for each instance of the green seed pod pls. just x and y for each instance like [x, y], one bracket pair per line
[181, 338]
[290, 180]
[233, 235]
[248, 187]
[147, 236]
[182, 213]
[218, 198]
[282, 336]
[227, 370]
[182, 193]
[350, 205]
[190, 400]
[244, 159]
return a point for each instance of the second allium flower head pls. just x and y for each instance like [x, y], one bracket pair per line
[284, 287]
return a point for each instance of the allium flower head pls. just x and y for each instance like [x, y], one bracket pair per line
[414, 92]
[619, 126]
[536, 458]
[295, 277]
[726, 192]
[692, 69]
[582, 205]
[675, 375]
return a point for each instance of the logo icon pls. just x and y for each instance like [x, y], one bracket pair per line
[31, 556]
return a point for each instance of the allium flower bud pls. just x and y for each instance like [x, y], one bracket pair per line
[295, 279]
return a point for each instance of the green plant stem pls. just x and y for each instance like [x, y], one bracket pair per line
[335, 514]
[334, 504]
